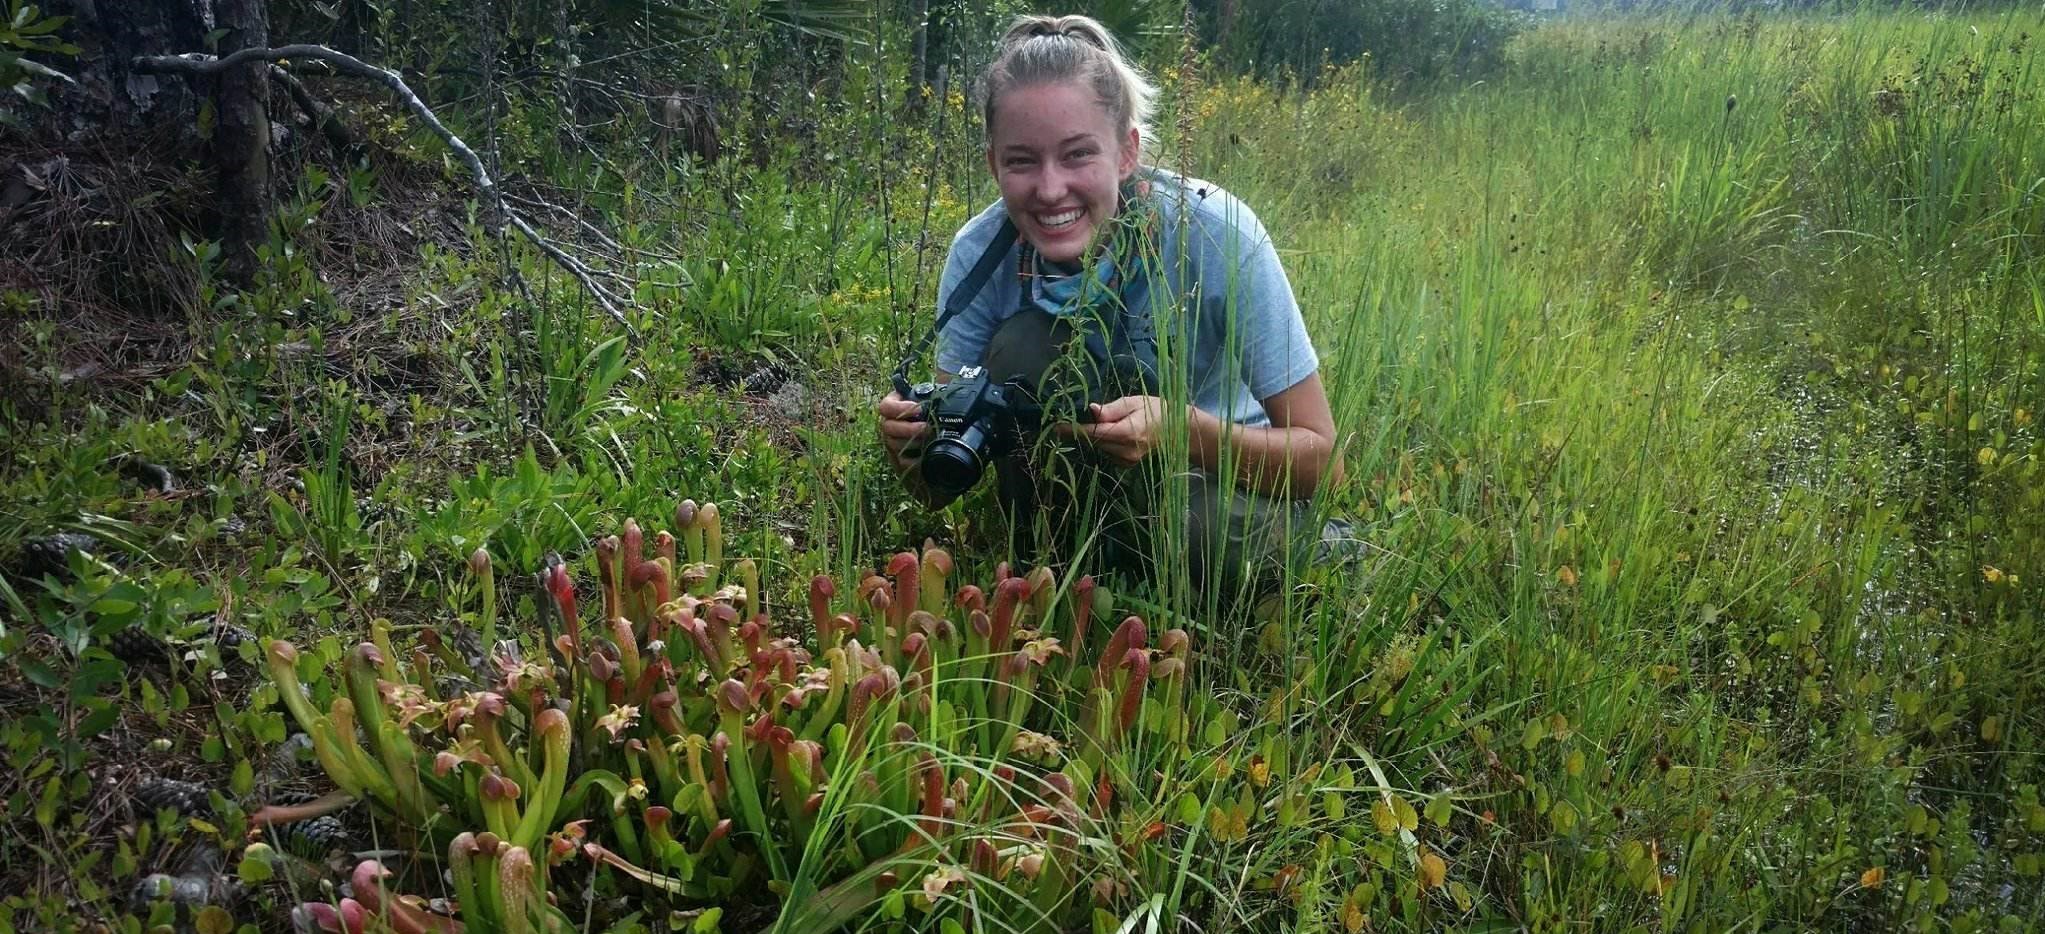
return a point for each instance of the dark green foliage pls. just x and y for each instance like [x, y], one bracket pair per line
[1406, 41]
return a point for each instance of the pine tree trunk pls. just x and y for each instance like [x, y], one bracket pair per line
[241, 138]
[111, 34]
[223, 122]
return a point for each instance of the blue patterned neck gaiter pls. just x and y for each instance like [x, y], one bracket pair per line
[1067, 289]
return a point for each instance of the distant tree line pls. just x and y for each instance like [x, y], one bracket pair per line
[1763, 6]
[1406, 41]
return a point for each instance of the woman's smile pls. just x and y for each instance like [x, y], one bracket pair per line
[1060, 163]
[1058, 220]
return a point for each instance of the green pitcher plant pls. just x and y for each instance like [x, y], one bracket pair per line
[901, 743]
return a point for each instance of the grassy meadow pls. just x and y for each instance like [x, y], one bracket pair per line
[1690, 371]
[1695, 364]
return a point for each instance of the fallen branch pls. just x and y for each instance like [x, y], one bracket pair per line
[496, 212]
[270, 815]
[587, 227]
[321, 116]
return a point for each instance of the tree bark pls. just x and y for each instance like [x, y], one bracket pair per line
[222, 122]
[111, 35]
[240, 148]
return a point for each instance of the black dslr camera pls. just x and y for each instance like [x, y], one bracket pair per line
[974, 419]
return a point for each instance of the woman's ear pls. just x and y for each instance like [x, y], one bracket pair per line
[990, 161]
[1132, 154]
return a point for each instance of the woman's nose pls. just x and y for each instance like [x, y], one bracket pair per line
[1052, 185]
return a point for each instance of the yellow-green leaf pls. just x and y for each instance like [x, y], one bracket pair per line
[1381, 814]
[214, 919]
[1433, 870]
[1440, 809]
[1409, 819]
[1562, 816]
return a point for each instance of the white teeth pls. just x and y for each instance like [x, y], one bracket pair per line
[1058, 220]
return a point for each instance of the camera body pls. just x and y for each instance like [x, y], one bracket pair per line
[973, 420]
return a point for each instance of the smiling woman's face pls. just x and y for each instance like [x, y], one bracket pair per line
[1060, 163]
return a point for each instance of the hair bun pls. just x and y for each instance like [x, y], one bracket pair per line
[1087, 53]
[1076, 28]
[1063, 27]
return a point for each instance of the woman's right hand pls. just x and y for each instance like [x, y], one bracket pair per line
[902, 429]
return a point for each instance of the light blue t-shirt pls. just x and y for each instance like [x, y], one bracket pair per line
[1222, 306]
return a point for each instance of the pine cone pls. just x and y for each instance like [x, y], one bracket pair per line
[317, 838]
[137, 647]
[230, 638]
[188, 799]
[764, 379]
[50, 554]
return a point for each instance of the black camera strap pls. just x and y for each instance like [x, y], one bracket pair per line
[968, 289]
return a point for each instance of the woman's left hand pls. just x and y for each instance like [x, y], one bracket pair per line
[1127, 429]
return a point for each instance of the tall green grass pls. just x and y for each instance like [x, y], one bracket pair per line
[1690, 370]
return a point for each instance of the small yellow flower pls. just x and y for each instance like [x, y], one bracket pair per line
[1040, 651]
[937, 880]
[620, 719]
[1873, 877]
[1992, 574]
[1036, 745]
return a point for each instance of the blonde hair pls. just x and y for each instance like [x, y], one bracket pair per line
[1051, 49]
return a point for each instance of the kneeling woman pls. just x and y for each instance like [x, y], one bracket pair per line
[1158, 296]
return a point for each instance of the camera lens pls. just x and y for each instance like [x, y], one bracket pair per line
[952, 464]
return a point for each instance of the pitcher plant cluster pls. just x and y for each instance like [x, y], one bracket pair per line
[905, 743]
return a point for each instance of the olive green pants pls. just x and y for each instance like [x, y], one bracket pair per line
[1143, 521]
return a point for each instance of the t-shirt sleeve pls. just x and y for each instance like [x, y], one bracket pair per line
[964, 338]
[1276, 352]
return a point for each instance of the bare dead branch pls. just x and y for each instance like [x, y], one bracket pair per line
[321, 116]
[496, 212]
[539, 203]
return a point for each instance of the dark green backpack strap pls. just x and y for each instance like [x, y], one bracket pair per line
[976, 278]
[962, 296]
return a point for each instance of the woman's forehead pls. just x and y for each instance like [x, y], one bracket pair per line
[1050, 113]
